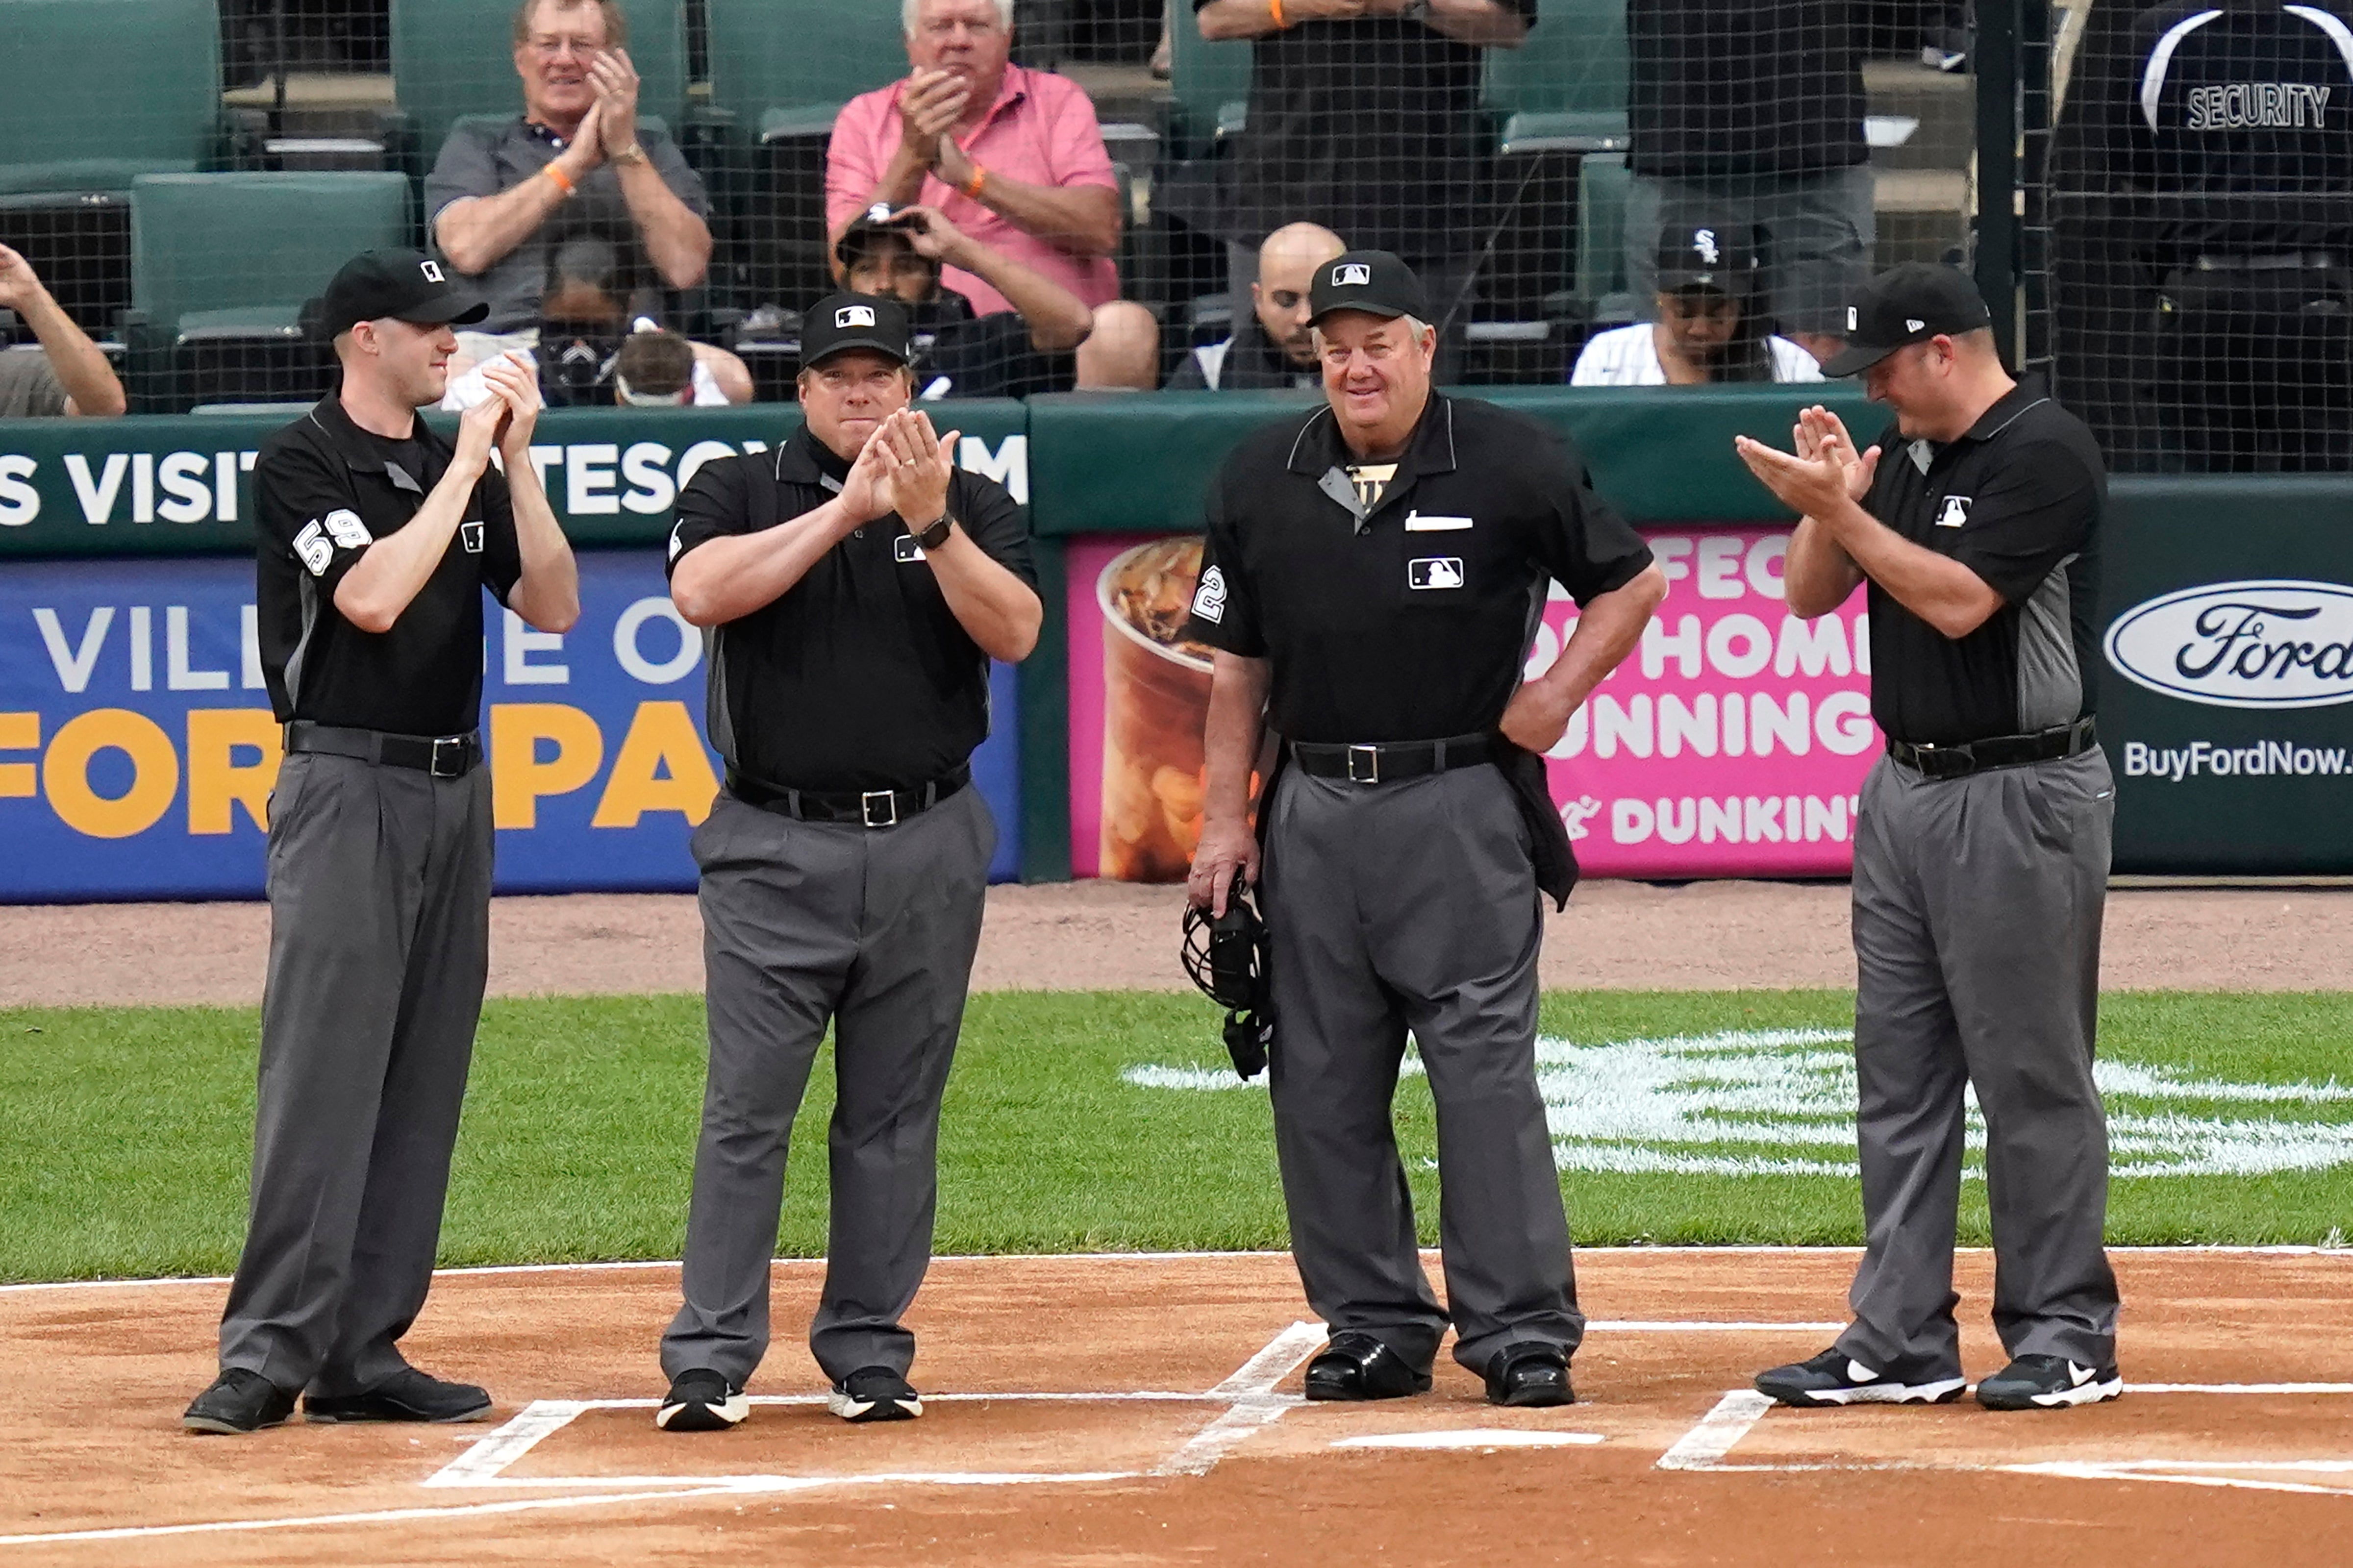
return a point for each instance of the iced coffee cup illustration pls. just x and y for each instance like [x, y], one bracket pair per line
[1156, 701]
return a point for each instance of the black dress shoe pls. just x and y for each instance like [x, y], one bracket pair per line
[407, 1395]
[1530, 1376]
[1357, 1366]
[238, 1402]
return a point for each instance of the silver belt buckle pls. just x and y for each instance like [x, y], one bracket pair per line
[455, 753]
[889, 800]
[1371, 772]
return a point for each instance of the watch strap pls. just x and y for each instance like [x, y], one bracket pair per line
[935, 534]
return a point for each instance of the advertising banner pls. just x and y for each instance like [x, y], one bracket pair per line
[2227, 704]
[1733, 743]
[137, 749]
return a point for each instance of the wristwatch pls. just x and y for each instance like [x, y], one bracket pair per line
[932, 537]
[632, 153]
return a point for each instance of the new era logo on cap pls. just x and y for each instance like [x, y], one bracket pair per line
[1913, 323]
[854, 316]
[1351, 275]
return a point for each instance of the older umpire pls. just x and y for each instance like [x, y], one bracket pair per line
[856, 586]
[1370, 583]
[1981, 861]
[377, 537]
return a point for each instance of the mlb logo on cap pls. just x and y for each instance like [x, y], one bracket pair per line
[1351, 274]
[432, 270]
[854, 316]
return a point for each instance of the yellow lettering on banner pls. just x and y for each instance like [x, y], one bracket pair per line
[661, 736]
[155, 773]
[217, 781]
[19, 732]
[518, 778]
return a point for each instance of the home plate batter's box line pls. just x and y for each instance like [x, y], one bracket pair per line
[1704, 1448]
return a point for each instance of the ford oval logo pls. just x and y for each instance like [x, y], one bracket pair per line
[2241, 645]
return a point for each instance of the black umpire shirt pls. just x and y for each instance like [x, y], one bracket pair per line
[324, 488]
[2018, 501]
[1399, 606]
[858, 677]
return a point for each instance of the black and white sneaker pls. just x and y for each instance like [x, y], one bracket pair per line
[700, 1400]
[874, 1394]
[1835, 1377]
[2049, 1383]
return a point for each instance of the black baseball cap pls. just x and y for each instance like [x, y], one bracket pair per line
[1373, 281]
[1905, 305]
[1722, 257]
[879, 219]
[407, 285]
[840, 321]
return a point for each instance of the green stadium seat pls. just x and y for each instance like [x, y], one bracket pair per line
[1565, 88]
[1602, 183]
[1210, 83]
[780, 69]
[451, 58]
[221, 265]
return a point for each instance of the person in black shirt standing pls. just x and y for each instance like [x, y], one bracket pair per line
[2234, 120]
[1370, 583]
[1751, 110]
[856, 586]
[377, 537]
[1981, 860]
[1364, 118]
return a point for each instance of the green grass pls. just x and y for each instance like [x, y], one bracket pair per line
[127, 1132]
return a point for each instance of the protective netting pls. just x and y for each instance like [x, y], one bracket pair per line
[182, 175]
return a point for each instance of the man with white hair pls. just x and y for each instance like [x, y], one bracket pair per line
[1012, 157]
[1367, 585]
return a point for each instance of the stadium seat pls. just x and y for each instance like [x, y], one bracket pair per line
[455, 57]
[780, 73]
[103, 90]
[1602, 183]
[1211, 84]
[1565, 88]
[221, 265]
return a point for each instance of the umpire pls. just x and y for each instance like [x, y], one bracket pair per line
[855, 585]
[377, 537]
[1981, 860]
[1370, 585]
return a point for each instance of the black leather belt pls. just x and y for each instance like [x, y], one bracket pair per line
[1969, 757]
[443, 756]
[1389, 762]
[867, 808]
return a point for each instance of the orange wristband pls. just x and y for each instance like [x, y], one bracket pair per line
[562, 180]
[1275, 8]
[972, 187]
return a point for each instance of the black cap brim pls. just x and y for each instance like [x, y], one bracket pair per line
[1856, 358]
[896, 354]
[1363, 307]
[1736, 285]
[448, 311]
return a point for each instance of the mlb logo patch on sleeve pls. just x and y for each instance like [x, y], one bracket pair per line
[1955, 512]
[1434, 571]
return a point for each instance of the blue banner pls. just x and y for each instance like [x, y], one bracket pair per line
[137, 749]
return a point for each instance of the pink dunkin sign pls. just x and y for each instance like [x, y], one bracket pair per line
[1734, 742]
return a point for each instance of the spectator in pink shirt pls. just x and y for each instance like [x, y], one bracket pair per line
[1011, 157]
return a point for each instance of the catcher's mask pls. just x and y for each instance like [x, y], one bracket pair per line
[1226, 956]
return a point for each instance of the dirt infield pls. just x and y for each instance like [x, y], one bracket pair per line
[1114, 1410]
[1112, 936]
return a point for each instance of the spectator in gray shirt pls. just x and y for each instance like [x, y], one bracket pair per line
[66, 375]
[575, 164]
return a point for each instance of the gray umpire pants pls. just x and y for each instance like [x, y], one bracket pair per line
[873, 929]
[379, 943]
[1412, 905]
[1977, 937]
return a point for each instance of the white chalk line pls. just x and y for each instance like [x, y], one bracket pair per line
[1725, 1250]
[1255, 1403]
[2148, 1471]
[1716, 1432]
